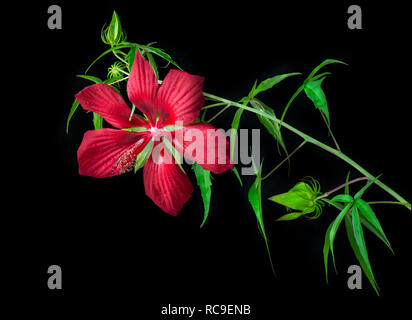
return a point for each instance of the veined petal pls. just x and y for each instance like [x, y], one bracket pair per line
[142, 87]
[104, 100]
[109, 152]
[180, 97]
[205, 145]
[166, 184]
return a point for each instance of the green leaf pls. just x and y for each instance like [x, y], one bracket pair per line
[255, 200]
[136, 129]
[172, 127]
[157, 51]
[315, 93]
[272, 126]
[374, 226]
[250, 93]
[359, 239]
[361, 191]
[320, 76]
[97, 121]
[234, 170]
[345, 198]
[161, 54]
[153, 64]
[73, 109]
[347, 186]
[270, 82]
[323, 64]
[233, 132]
[326, 249]
[356, 250]
[120, 46]
[130, 57]
[143, 155]
[204, 182]
[90, 78]
[291, 216]
[334, 228]
[173, 152]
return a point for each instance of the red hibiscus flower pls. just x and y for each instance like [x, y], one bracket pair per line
[109, 152]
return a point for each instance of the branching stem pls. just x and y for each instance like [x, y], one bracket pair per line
[317, 143]
[284, 160]
[326, 194]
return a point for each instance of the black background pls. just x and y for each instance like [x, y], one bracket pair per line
[121, 255]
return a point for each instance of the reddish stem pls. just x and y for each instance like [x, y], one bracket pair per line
[343, 185]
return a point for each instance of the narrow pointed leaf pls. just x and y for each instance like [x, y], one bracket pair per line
[326, 249]
[90, 78]
[152, 64]
[347, 186]
[272, 126]
[374, 226]
[73, 109]
[356, 250]
[363, 189]
[291, 216]
[136, 129]
[143, 155]
[251, 91]
[323, 64]
[334, 228]
[234, 170]
[97, 121]
[255, 200]
[120, 46]
[270, 82]
[130, 57]
[233, 132]
[315, 93]
[359, 237]
[156, 51]
[345, 198]
[204, 182]
[173, 152]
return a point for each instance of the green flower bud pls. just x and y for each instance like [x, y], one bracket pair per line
[303, 198]
[113, 34]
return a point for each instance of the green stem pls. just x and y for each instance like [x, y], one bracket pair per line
[118, 80]
[213, 105]
[121, 59]
[317, 143]
[388, 202]
[289, 103]
[124, 72]
[218, 114]
[330, 131]
[284, 160]
[342, 186]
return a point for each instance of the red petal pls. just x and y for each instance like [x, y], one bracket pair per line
[180, 97]
[205, 145]
[142, 87]
[104, 100]
[109, 152]
[166, 185]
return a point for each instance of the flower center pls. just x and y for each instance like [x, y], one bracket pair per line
[156, 132]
